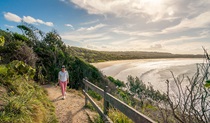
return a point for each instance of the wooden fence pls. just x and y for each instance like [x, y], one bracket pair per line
[130, 112]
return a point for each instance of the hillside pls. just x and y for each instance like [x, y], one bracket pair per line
[100, 56]
[29, 60]
[21, 99]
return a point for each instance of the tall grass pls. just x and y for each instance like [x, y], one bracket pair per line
[24, 102]
[98, 119]
[118, 117]
[94, 95]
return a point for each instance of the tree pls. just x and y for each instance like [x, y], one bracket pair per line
[18, 50]
[2, 40]
[33, 34]
[52, 55]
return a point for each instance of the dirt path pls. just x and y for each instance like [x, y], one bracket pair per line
[70, 110]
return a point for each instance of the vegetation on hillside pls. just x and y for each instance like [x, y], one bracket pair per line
[45, 52]
[35, 56]
[24, 101]
[101, 56]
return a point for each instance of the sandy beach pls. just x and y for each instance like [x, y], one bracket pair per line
[153, 71]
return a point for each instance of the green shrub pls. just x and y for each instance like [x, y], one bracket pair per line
[98, 119]
[125, 97]
[118, 117]
[19, 68]
[94, 95]
[90, 106]
[116, 82]
[138, 88]
[25, 102]
[3, 69]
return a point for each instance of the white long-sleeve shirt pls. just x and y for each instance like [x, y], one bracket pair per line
[63, 76]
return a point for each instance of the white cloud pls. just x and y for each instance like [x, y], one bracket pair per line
[90, 22]
[69, 25]
[64, 1]
[96, 27]
[80, 37]
[92, 28]
[31, 20]
[12, 17]
[40, 21]
[188, 47]
[8, 26]
[28, 19]
[150, 25]
[183, 38]
[201, 21]
[153, 10]
[134, 33]
[49, 23]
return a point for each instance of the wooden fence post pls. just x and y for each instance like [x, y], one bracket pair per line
[86, 98]
[109, 100]
[106, 103]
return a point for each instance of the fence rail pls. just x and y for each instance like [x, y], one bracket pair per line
[130, 112]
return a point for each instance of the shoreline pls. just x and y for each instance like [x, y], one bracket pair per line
[100, 65]
[153, 71]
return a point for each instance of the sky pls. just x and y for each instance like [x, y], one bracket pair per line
[175, 26]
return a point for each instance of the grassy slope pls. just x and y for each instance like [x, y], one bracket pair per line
[24, 101]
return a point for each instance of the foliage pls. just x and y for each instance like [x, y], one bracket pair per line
[18, 50]
[19, 68]
[118, 117]
[2, 40]
[139, 89]
[90, 106]
[46, 53]
[20, 37]
[34, 55]
[25, 100]
[207, 84]
[100, 56]
[115, 115]
[80, 69]
[3, 70]
[117, 82]
[126, 97]
[98, 119]
[94, 95]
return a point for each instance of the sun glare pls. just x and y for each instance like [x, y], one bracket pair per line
[153, 2]
[156, 9]
[152, 7]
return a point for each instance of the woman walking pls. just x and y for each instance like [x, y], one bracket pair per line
[63, 80]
